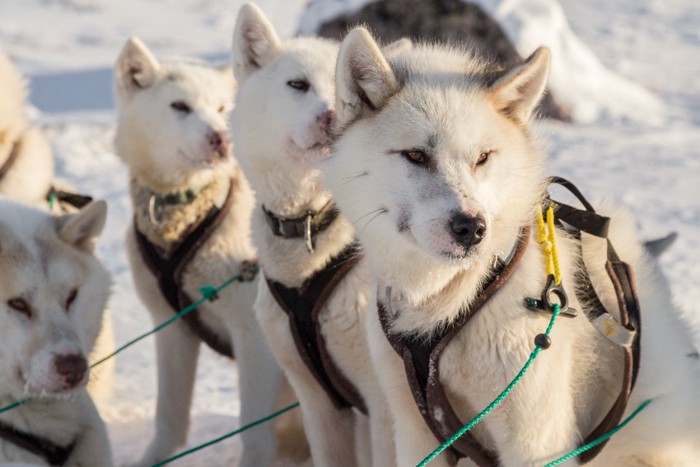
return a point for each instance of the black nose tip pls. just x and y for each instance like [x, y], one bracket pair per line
[467, 230]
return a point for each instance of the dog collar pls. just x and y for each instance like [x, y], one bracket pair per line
[51, 452]
[14, 152]
[306, 227]
[156, 202]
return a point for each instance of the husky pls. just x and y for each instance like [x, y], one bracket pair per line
[281, 128]
[439, 143]
[172, 135]
[27, 174]
[54, 291]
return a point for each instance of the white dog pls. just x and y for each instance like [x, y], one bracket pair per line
[27, 174]
[281, 127]
[172, 134]
[439, 143]
[54, 292]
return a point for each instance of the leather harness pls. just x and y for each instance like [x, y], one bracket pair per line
[51, 452]
[421, 356]
[168, 270]
[303, 304]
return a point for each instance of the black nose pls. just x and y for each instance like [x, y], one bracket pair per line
[71, 367]
[467, 230]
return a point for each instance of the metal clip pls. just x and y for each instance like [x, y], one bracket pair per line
[155, 210]
[248, 271]
[546, 304]
[307, 231]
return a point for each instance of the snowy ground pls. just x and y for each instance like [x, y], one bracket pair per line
[67, 48]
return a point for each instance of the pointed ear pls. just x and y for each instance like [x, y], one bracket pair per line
[364, 80]
[255, 41]
[518, 91]
[82, 229]
[136, 67]
[397, 47]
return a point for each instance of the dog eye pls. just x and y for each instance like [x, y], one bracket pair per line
[415, 156]
[221, 109]
[181, 107]
[299, 85]
[19, 304]
[71, 298]
[483, 158]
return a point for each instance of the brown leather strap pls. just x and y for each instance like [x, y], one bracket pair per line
[421, 358]
[169, 270]
[303, 305]
[51, 452]
[9, 162]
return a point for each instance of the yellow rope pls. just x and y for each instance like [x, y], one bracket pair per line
[546, 236]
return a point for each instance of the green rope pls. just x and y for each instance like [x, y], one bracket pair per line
[14, 405]
[52, 200]
[228, 435]
[496, 401]
[604, 437]
[209, 292]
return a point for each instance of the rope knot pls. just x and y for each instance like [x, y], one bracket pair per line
[209, 292]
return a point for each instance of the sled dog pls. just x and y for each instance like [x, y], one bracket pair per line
[438, 143]
[54, 292]
[314, 289]
[27, 174]
[191, 227]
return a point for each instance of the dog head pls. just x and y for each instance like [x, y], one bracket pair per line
[285, 109]
[173, 116]
[13, 96]
[435, 142]
[53, 292]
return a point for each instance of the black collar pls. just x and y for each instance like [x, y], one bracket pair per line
[306, 227]
[40, 446]
[14, 152]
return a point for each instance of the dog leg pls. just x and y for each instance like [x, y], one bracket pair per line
[177, 350]
[259, 380]
[382, 435]
[92, 448]
[363, 442]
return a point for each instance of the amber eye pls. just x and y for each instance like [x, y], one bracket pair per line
[19, 304]
[483, 158]
[181, 106]
[299, 84]
[221, 109]
[71, 298]
[415, 156]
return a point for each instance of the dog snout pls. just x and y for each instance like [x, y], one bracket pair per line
[71, 368]
[326, 119]
[217, 140]
[467, 230]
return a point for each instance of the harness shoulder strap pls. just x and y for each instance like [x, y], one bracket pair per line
[627, 332]
[51, 452]
[169, 271]
[303, 305]
[421, 359]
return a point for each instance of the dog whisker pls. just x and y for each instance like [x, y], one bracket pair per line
[365, 215]
[381, 211]
[354, 177]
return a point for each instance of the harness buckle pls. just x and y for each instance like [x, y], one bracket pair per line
[308, 237]
[248, 271]
[545, 303]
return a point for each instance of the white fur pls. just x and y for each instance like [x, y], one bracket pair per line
[29, 178]
[279, 133]
[43, 260]
[442, 105]
[169, 150]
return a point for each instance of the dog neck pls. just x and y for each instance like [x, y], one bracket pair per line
[431, 293]
[166, 217]
[9, 155]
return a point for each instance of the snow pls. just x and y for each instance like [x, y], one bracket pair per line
[67, 48]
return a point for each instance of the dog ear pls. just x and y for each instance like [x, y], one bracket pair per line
[364, 80]
[82, 228]
[518, 91]
[136, 67]
[255, 41]
[397, 47]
